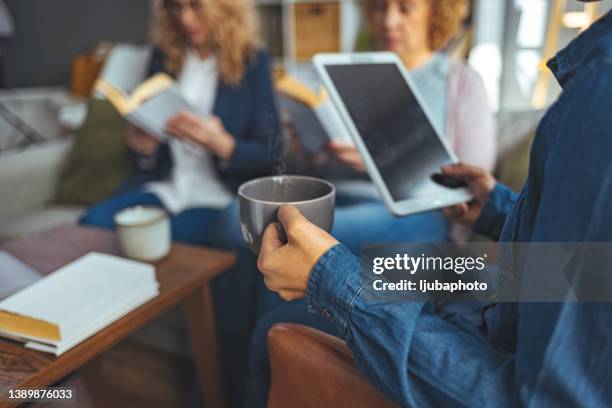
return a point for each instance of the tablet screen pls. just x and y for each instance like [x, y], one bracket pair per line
[399, 137]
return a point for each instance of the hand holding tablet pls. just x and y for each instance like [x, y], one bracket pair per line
[480, 183]
[448, 181]
[392, 130]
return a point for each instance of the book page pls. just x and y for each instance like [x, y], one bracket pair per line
[126, 104]
[332, 122]
[149, 88]
[311, 132]
[126, 66]
[293, 88]
[153, 114]
[114, 95]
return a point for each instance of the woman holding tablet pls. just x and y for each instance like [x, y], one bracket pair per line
[417, 31]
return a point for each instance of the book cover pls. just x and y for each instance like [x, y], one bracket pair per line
[312, 113]
[150, 105]
[77, 300]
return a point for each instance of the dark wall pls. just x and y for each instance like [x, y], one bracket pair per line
[50, 32]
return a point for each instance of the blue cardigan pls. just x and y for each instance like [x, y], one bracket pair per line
[248, 112]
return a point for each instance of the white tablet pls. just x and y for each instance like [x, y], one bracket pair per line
[391, 128]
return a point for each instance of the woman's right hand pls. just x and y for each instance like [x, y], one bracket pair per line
[480, 183]
[348, 155]
[141, 142]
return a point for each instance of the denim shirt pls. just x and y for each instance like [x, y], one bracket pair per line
[527, 354]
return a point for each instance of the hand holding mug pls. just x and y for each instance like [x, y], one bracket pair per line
[480, 183]
[287, 266]
[261, 199]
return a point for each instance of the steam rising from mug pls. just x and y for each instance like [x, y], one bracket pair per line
[261, 198]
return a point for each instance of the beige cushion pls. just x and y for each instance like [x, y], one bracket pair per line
[38, 220]
[29, 177]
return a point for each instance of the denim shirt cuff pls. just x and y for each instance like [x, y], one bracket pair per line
[493, 214]
[334, 284]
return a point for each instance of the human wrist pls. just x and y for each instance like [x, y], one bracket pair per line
[498, 205]
[333, 284]
[223, 146]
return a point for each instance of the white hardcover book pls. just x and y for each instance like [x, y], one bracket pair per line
[62, 306]
[114, 313]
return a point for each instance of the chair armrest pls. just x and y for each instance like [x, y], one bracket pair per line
[314, 369]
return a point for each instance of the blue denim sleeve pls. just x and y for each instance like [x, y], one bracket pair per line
[494, 213]
[412, 355]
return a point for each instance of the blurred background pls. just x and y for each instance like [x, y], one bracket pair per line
[504, 39]
[52, 52]
[57, 140]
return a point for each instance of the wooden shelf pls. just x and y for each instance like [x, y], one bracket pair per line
[295, 30]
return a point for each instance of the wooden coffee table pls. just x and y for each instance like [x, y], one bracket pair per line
[184, 277]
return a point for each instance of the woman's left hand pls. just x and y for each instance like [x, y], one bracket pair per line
[208, 132]
[348, 155]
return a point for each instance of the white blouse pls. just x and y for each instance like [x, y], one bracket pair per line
[194, 180]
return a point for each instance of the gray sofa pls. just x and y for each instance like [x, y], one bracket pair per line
[29, 175]
[28, 178]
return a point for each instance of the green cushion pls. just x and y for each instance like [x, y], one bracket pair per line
[99, 160]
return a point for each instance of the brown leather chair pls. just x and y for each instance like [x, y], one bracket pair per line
[314, 369]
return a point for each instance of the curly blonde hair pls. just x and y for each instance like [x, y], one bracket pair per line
[234, 33]
[445, 20]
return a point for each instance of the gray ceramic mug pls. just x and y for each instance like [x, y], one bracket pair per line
[261, 198]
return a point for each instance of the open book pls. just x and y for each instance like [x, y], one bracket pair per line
[75, 302]
[150, 105]
[127, 65]
[314, 116]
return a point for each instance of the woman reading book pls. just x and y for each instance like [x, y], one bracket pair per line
[210, 48]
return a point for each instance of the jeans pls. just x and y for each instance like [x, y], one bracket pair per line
[240, 299]
[190, 226]
[359, 221]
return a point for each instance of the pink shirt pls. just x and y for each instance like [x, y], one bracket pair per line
[470, 121]
[470, 125]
